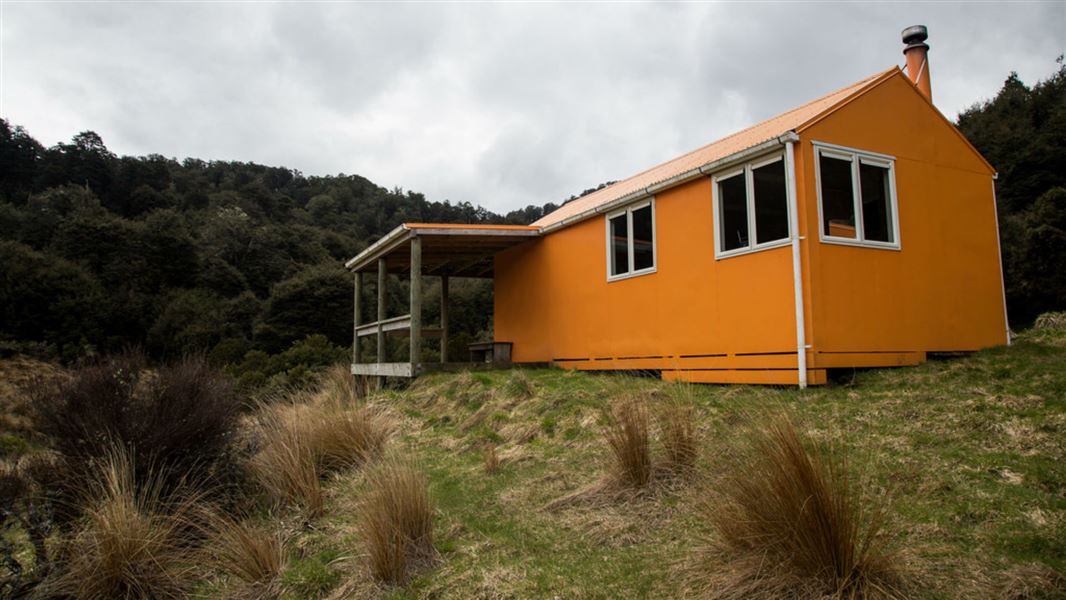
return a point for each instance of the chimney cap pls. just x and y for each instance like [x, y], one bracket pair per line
[915, 36]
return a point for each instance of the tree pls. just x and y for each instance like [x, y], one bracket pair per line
[48, 299]
[318, 299]
[19, 154]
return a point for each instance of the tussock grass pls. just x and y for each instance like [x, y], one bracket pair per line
[397, 522]
[1051, 320]
[252, 553]
[285, 464]
[132, 543]
[676, 419]
[626, 431]
[491, 461]
[792, 522]
[520, 386]
[312, 433]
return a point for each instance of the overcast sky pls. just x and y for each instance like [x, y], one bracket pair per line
[499, 105]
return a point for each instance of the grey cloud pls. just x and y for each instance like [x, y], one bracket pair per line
[501, 105]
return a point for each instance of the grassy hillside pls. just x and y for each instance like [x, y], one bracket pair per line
[968, 455]
[968, 452]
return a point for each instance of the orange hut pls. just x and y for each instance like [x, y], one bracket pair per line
[857, 230]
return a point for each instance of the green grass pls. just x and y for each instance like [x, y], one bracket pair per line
[970, 453]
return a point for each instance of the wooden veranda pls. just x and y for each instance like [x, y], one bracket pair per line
[420, 250]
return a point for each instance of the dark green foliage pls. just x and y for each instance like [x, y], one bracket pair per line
[45, 298]
[101, 252]
[295, 366]
[1022, 132]
[316, 300]
[1037, 254]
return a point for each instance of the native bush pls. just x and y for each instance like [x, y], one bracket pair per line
[176, 420]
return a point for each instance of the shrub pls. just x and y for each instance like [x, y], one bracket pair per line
[133, 542]
[791, 522]
[677, 434]
[397, 521]
[177, 420]
[626, 432]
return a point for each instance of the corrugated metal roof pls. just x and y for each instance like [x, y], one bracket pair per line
[723, 148]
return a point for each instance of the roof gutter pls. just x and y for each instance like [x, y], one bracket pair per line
[390, 239]
[701, 171]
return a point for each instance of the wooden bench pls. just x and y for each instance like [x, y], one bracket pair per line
[491, 352]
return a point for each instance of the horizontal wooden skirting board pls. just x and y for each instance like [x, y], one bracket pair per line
[708, 361]
[839, 360]
[757, 376]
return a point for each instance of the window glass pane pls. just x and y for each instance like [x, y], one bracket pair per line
[771, 202]
[619, 245]
[733, 206]
[838, 208]
[876, 205]
[643, 238]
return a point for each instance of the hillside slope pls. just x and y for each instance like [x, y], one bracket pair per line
[969, 453]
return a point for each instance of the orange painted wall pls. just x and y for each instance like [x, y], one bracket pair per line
[942, 290]
[553, 299]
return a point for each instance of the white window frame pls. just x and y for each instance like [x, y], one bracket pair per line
[628, 211]
[749, 187]
[857, 157]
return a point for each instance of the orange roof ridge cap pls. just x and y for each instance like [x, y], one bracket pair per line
[467, 226]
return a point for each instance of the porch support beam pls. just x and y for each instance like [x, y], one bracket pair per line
[382, 276]
[416, 303]
[443, 318]
[357, 316]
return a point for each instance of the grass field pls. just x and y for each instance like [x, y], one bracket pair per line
[969, 453]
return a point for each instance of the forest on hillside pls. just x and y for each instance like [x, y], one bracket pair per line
[244, 262]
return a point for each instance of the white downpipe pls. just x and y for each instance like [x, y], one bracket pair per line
[999, 253]
[797, 272]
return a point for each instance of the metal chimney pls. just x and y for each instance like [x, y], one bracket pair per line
[917, 53]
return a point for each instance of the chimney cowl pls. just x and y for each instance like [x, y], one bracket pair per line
[915, 36]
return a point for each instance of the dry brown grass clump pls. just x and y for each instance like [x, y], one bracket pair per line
[491, 459]
[285, 464]
[397, 521]
[1051, 320]
[252, 553]
[677, 434]
[626, 431]
[520, 386]
[311, 434]
[792, 522]
[132, 544]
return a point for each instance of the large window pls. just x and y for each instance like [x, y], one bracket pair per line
[751, 207]
[631, 241]
[857, 197]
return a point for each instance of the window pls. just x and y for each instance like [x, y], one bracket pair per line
[751, 207]
[631, 241]
[857, 197]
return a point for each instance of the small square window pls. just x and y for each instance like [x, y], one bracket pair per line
[751, 207]
[631, 241]
[857, 202]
